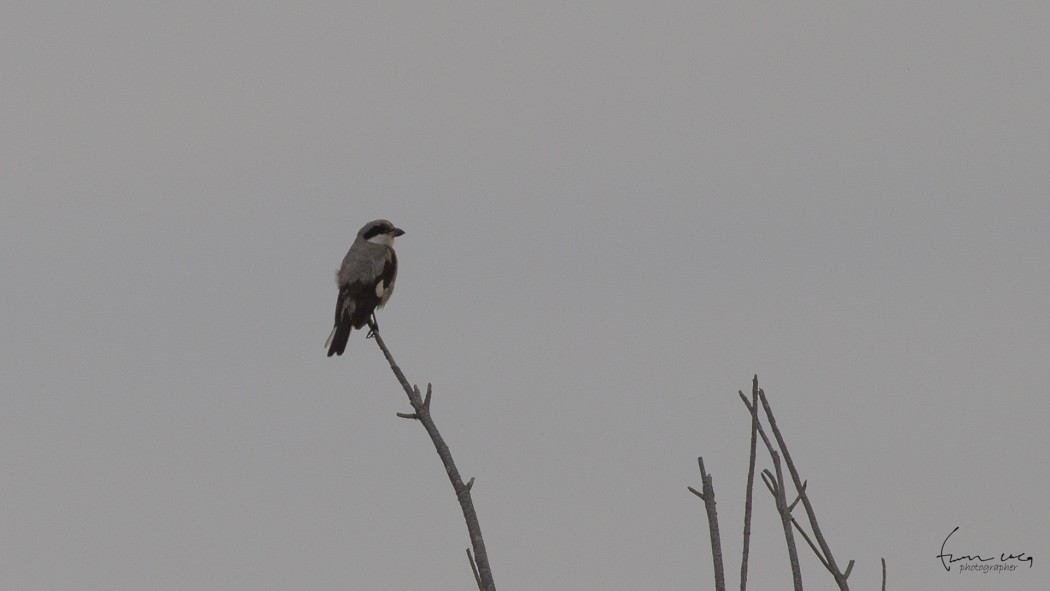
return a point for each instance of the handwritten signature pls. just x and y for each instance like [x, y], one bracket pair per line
[1003, 557]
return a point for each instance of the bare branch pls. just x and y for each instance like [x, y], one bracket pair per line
[484, 572]
[833, 568]
[776, 487]
[884, 574]
[786, 520]
[750, 484]
[708, 497]
[767, 477]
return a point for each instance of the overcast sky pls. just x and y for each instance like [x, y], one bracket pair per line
[616, 214]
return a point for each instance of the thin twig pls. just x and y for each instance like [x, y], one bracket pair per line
[884, 574]
[809, 541]
[422, 408]
[770, 482]
[833, 568]
[474, 567]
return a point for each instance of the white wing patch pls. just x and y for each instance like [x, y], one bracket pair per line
[380, 289]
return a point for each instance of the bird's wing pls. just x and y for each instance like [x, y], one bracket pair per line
[344, 304]
[386, 272]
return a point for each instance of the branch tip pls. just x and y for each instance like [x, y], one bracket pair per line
[771, 481]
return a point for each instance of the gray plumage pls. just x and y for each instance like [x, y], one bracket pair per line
[365, 279]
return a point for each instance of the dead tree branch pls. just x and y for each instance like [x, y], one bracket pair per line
[775, 484]
[708, 497]
[828, 559]
[776, 487]
[749, 495]
[421, 407]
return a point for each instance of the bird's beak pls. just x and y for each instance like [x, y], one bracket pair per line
[398, 232]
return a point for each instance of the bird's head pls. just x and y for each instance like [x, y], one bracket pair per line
[380, 232]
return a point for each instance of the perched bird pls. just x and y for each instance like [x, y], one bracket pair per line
[365, 280]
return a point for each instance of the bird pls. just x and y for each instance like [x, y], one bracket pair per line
[365, 281]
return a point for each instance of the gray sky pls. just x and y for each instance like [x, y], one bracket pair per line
[616, 213]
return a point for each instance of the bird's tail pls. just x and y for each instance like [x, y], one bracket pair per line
[338, 338]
